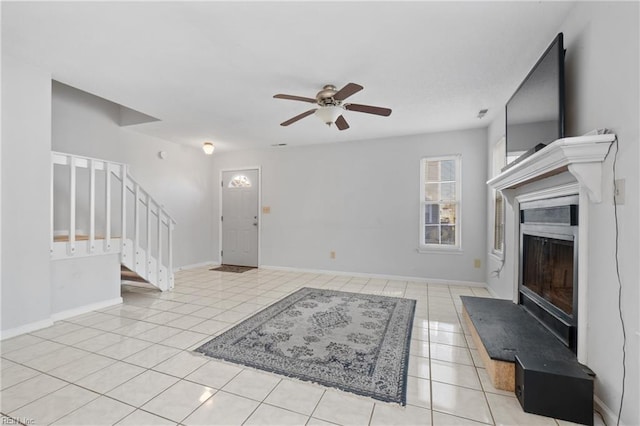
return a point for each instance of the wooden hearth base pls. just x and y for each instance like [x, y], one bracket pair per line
[501, 330]
[501, 373]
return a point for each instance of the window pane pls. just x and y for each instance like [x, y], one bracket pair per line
[431, 213]
[240, 181]
[448, 191]
[448, 213]
[432, 192]
[433, 171]
[498, 226]
[448, 170]
[448, 234]
[432, 234]
[441, 200]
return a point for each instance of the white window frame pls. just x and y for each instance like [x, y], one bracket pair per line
[441, 248]
[498, 161]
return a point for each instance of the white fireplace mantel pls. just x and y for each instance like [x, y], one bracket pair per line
[581, 156]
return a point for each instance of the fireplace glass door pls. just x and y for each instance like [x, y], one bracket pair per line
[548, 270]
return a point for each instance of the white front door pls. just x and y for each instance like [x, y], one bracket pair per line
[240, 217]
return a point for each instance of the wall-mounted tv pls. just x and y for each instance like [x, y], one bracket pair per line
[535, 112]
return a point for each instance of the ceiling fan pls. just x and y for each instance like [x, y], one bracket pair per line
[331, 104]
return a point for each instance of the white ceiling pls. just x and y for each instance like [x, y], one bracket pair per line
[209, 70]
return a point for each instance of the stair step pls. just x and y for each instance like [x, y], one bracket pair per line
[127, 274]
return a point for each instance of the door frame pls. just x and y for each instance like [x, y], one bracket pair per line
[259, 169]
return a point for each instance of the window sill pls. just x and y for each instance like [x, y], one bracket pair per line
[439, 250]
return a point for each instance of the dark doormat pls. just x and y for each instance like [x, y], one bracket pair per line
[233, 268]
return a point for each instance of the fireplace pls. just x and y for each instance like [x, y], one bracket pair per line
[548, 286]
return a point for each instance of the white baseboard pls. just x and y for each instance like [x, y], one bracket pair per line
[27, 328]
[493, 293]
[86, 308]
[196, 266]
[610, 417]
[377, 276]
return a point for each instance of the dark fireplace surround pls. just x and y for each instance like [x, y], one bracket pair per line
[548, 286]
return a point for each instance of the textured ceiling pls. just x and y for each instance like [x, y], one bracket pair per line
[209, 70]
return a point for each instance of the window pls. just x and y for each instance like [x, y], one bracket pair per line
[240, 181]
[498, 162]
[440, 202]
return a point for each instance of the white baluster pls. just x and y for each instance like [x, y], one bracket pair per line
[92, 205]
[159, 259]
[136, 225]
[51, 199]
[170, 255]
[123, 212]
[72, 206]
[148, 245]
[107, 207]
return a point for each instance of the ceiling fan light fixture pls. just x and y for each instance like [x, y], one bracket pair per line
[329, 114]
[208, 148]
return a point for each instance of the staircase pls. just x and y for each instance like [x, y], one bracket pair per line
[97, 208]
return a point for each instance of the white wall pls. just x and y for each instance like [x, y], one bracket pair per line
[26, 144]
[78, 283]
[602, 69]
[84, 124]
[361, 200]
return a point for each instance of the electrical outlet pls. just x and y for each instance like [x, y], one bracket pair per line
[618, 191]
[476, 263]
[332, 254]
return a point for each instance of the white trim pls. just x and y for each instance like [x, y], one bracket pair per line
[493, 293]
[583, 250]
[436, 248]
[582, 156]
[83, 249]
[583, 276]
[553, 192]
[86, 308]
[378, 276]
[27, 328]
[196, 266]
[259, 169]
[439, 250]
[610, 417]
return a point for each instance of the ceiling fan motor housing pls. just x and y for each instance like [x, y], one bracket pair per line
[325, 96]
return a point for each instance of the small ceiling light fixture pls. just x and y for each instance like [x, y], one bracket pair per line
[482, 113]
[208, 148]
[329, 114]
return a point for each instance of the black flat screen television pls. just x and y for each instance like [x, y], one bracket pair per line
[535, 112]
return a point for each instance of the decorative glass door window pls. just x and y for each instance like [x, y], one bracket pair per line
[440, 202]
[240, 181]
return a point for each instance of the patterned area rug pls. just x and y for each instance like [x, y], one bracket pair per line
[233, 268]
[355, 342]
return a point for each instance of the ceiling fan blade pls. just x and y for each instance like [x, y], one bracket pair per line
[298, 117]
[369, 109]
[347, 91]
[295, 98]
[341, 123]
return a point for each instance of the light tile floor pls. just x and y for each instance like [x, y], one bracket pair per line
[132, 364]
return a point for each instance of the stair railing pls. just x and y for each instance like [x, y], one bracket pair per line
[157, 270]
